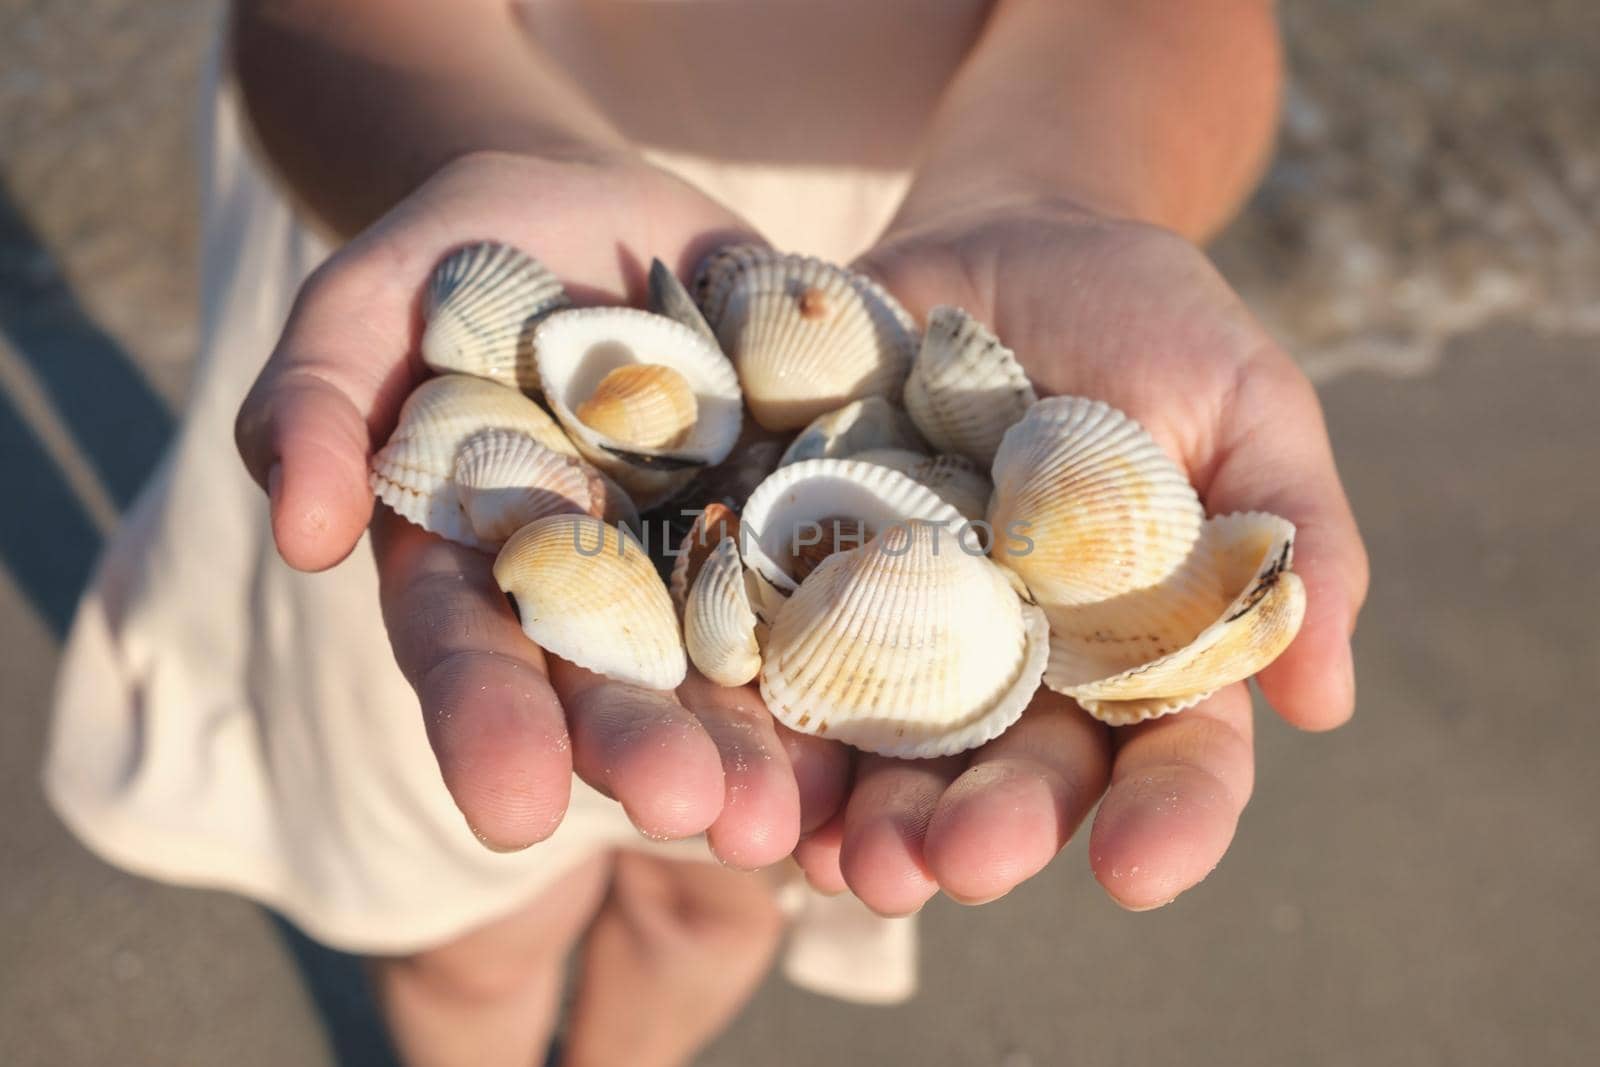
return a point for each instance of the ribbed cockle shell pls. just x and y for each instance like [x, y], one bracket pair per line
[414, 473]
[966, 388]
[806, 336]
[587, 592]
[719, 626]
[507, 479]
[1086, 506]
[910, 646]
[643, 405]
[715, 522]
[481, 305]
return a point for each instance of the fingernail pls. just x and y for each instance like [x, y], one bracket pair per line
[896, 914]
[973, 902]
[1149, 907]
[492, 846]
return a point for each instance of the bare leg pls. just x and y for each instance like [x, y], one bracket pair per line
[675, 951]
[489, 997]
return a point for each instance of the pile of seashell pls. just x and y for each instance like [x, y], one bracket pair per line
[885, 591]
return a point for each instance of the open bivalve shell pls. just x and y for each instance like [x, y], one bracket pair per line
[871, 422]
[909, 646]
[966, 389]
[954, 478]
[1230, 610]
[644, 398]
[803, 513]
[481, 306]
[1086, 506]
[719, 626]
[506, 480]
[414, 473]
[806, 336]
[587, 592]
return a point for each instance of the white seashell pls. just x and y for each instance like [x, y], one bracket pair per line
[871, 422]
[506, 480]
[806, 336]
[481, 306]
[1229, 611]
[907, 647]
[1086, 506]
[817, 505]
[715, 522]
[579, 349]
[414, 473]
[587, 592]
[719, 627]
[966, 388]
[957, 481]
[668, 297]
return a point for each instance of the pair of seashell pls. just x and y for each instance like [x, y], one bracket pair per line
[849, 588]
[808, 338]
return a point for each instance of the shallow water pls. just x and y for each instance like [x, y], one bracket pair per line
[1439, 169]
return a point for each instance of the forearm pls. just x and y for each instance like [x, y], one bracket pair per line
[1159, 110]
[357, 102]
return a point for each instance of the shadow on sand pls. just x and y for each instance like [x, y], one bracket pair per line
[49, 541]
[339, 989]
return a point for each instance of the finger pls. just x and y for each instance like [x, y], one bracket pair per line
[642, 748]
[1178, 786]
[1019, 801]
[307, 426]
[491, 716]
[760, 818]
[885, 822]
[818, 856]
[821, 772]
[332, 387]
[1281, 461]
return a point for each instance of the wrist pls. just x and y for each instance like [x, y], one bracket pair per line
[1141, 110]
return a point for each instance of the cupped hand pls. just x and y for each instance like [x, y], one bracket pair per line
[508, 724]
[1135, 316]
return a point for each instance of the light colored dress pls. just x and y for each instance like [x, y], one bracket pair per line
[224, 721]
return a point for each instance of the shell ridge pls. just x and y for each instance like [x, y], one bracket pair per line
[1244, 607]
[934, 652]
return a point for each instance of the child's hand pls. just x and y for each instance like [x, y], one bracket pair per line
[509, 725]
[1137, 317]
